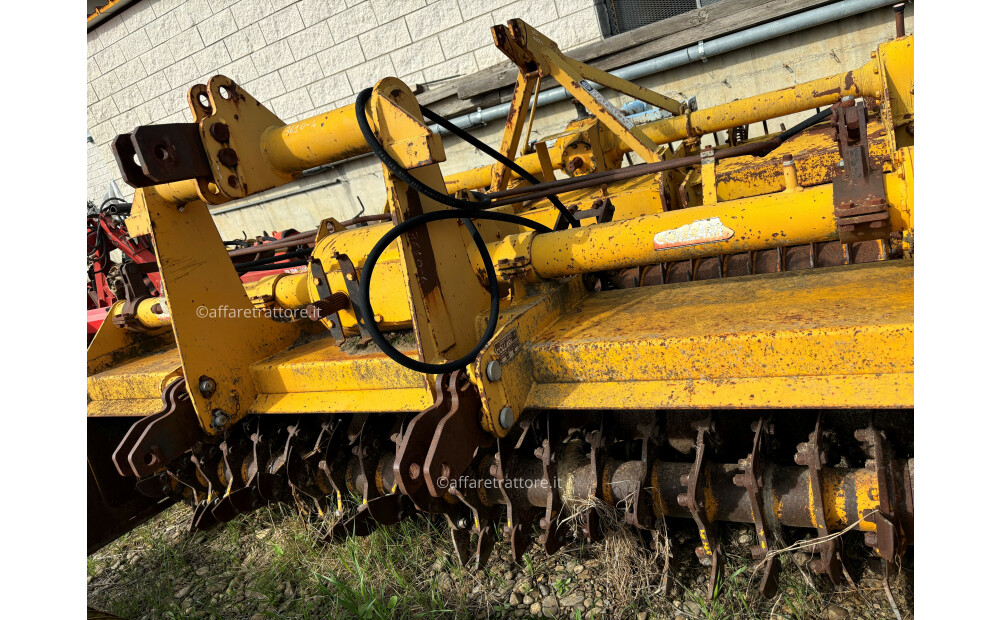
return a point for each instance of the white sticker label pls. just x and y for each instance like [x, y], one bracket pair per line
[698, 231]
[604, 103]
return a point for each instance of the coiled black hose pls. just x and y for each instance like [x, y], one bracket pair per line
[365, 304]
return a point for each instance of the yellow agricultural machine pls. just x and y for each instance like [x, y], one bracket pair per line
[715, 333]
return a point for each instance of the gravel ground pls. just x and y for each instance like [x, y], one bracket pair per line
[269, 565]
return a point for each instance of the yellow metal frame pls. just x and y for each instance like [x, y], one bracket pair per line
[801, 339]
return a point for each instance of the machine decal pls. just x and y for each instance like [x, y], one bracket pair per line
[506, 347]
[695, 233]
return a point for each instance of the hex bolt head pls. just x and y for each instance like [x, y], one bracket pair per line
[462, 523]
[228, 157]
[506, 418]
[494, 371]
[219, 131]
[207, 387]
[414, 471]
[219, 418]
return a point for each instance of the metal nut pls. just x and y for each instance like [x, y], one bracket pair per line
[228, 157]
[220, 418]
[219, 131]
[494, 370]
[506, 418]
[207, 387]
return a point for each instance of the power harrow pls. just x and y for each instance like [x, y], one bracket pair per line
[718, 333]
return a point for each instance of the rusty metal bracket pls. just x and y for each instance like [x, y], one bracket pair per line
[235, 449]
[484, 517]
[329, 313]
[888, 539]
[710, 552]
[384, 510]
[353, 293]
[811, 454]
[752, 479]
[412, 450]
[335, 459]
[135, 290]
[457, 437]
[858, 194]
[601, 208]
[155, 154]
[207, 459]
[592, 528]
[640, 512]
[554, 533]
[156, 440]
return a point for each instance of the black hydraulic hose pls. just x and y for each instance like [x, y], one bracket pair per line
[365, 304]
[806, 124]
[482, 146]
[288, 265]
[272, 259]
[403, 174]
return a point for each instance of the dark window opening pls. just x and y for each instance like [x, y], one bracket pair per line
[618, 16]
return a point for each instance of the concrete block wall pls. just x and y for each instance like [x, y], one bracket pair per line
[365, 43]
[299, 58]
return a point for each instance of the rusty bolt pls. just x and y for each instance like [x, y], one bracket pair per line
[228, 157]
[219, 131]
[685, 479]
[494, 371]
[682, 499]
[206, 386]
[219, 418]
[742, 464]
[493, 470]
[445, 470]
[414, 471]
[506, 417]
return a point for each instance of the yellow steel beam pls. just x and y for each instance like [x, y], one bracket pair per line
[895, 59]
[723, 228]
[798, 339]
[836, 337]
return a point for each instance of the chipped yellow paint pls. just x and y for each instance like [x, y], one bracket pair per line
[866, 496]
[711, 502]
[834, 498]
[812, 503]
[140, 378]
[704, 542]
[807, 338]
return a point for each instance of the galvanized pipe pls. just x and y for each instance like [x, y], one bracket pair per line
[713, 47]
[335, 135]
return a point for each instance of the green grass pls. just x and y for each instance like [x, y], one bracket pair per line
[270, 563]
